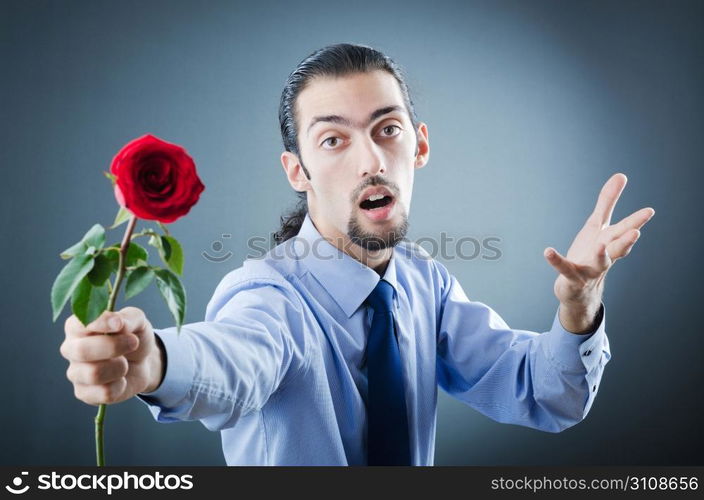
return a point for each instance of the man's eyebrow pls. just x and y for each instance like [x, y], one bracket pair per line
[344, 121]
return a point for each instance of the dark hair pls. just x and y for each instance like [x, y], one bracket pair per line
[334, 60]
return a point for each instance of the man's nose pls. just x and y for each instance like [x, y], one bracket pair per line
[370, 159]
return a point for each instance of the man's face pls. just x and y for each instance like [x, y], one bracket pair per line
[356, 139]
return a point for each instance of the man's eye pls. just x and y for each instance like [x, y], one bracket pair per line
[332, 141]
[390, 128]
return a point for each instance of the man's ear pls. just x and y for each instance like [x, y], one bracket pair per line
[294, 171]
[423, 147]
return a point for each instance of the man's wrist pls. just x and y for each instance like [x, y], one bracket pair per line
[580, 320]
[157, 366]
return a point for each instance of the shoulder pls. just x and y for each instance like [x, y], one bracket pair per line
[278, 266]
[266, 282]
[414, 261]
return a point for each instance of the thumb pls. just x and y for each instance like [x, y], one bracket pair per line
[132, 320]
[126, 320]
[561, 264]
[135, 322]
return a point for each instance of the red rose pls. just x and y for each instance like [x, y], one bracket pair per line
[155, 179]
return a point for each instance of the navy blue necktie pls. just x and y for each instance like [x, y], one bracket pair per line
[387, 440]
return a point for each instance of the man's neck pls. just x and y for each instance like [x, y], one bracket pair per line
[378, 260]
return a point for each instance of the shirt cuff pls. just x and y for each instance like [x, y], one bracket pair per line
[180, 370]
[573, 351]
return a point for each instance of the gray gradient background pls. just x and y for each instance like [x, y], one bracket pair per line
[530, 105]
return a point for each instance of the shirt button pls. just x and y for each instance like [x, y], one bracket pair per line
[587, 353]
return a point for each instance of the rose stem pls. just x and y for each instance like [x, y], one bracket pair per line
[99, 449]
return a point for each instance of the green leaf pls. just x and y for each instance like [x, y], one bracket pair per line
[88, 301]
[95, 236]
[110, 176]
[174, 294]
[137, 280]
[104, 266]
[157, 242]
[112, 253]
[67, 280]
[123, 215]
[175, 258]
[136, 254]
[166, 246]
[74, 250]
[170, 251]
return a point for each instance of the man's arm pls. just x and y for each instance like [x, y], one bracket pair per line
[218, 370]
[545, 381]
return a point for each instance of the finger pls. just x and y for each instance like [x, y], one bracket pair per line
[107, 322]
[101, 394]
[127, 320]
[609, 195]
[603, 257]
[622, 246]
[98, 373]
[132, 320]
[634, 221]
[562, 265]
[74, 328]
[98, 347]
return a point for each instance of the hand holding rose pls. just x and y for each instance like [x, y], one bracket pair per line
[153, 180]
[111, 368]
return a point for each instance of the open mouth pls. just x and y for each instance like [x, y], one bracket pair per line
[379, 206]
[375, 202]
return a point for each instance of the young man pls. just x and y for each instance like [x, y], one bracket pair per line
[330, 349]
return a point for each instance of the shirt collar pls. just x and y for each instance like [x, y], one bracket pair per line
[347, 280]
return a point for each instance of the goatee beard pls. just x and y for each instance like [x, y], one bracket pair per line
[373, 242]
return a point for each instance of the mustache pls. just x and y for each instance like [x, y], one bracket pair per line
[376, 181]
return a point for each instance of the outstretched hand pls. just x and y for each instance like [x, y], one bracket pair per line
[596, 247]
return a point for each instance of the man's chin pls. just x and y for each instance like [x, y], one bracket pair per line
[375, 236]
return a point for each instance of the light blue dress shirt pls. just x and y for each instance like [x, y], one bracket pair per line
[278, 365]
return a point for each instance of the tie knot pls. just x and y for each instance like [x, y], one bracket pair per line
[381, 297]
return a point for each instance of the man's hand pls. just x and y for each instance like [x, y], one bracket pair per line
[596, 247]
[110, 368]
